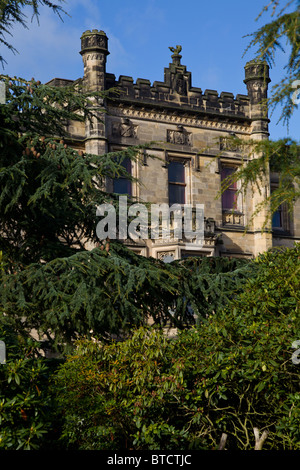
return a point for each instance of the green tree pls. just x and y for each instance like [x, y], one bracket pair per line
[27, 417]
[26, 404]
[49, 192]
[281, 33]
[12, 13]
[230, 375]
[49, 195]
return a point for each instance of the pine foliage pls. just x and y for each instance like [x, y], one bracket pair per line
[281, 33]
[12, 13]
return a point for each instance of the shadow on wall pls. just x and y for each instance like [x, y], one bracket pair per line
[230, 248]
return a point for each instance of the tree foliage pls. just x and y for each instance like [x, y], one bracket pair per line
[281, 157]
[12, 13]
[105, 292]
[281, 33]
[49, 190]
[230, 375]
[26, 403]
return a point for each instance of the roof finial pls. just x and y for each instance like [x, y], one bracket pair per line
[176, 54]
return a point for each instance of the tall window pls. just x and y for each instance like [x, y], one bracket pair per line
[229, 196]
[176, 178]
[122, 185]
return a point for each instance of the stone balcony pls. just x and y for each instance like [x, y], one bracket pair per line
[233, 218]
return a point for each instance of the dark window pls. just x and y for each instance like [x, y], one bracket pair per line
[277, 218]
[280, 220]
[176, 177]
[122, 185]
[229, 196]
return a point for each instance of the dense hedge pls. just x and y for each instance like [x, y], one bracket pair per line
[232, 373]
[228, 374]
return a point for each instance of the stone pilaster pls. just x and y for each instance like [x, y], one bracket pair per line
[94, 51]
[257, 80]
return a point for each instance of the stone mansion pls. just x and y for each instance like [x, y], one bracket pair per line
[191, 128]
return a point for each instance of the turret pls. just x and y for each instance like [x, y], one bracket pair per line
[257, 80]
[94, 51]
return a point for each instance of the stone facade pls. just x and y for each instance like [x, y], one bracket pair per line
[190, 127]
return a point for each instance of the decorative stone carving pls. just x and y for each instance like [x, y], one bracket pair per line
[179, 85]
[166, 256]
[92, 40]
[178, 137]
[124, 129]
[188, 121]
[209, 226]
[228, 145]
[233, 218]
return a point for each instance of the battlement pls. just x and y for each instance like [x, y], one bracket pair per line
[178, 93]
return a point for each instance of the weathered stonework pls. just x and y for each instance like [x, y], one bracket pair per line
[190, 126]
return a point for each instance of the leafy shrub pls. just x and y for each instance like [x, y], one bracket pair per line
[26, 404]
[228, 375]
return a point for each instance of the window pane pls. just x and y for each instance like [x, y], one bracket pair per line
[276, 219]
[176, 172]
[176, 194]
[225, 173]
[122, 185]
[229, 199]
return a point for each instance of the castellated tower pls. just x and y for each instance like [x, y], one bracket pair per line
[94, 52]
[257, 80]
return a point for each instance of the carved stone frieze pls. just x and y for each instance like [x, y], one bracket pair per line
[94, 56]
[94, 40]
[179, 137]
[182, 120]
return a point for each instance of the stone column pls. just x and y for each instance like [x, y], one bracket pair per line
[94, 52]
[257, 80]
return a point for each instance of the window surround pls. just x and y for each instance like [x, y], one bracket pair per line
[186, 161]
[232, 216]
[134, 173]
[285, 219]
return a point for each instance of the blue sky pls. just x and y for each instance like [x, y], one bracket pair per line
[212, 36]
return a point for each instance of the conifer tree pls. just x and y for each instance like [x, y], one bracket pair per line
[53, 283]
[282, 156]
[281, 33]
[48, 200]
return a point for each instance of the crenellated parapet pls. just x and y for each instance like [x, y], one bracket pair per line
[177, 92]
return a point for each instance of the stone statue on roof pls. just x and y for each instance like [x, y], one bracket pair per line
[177, 50]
